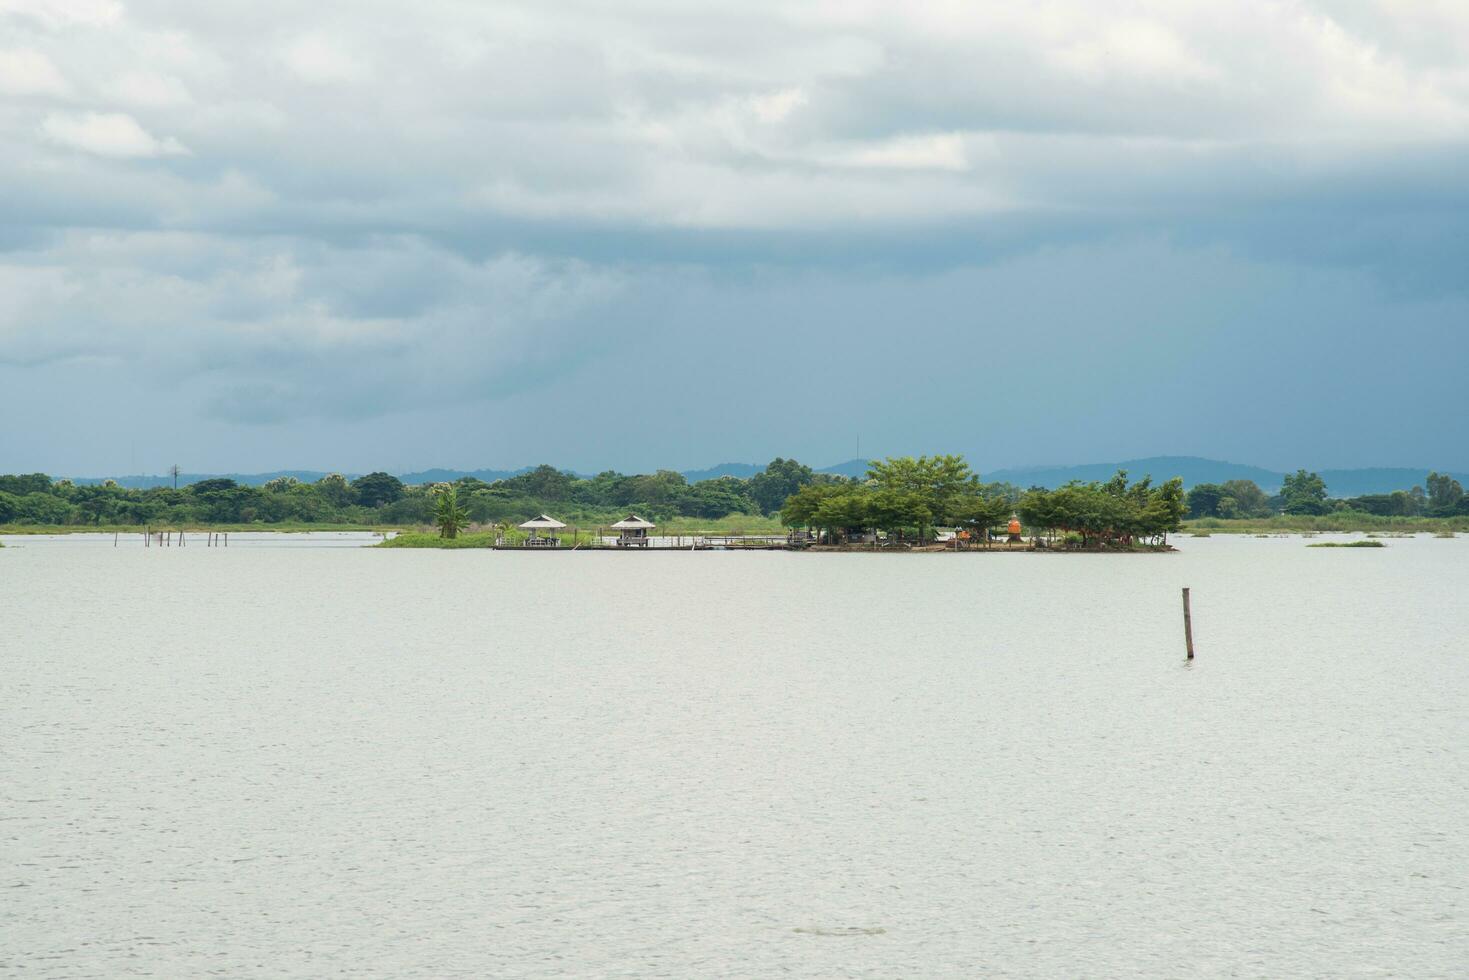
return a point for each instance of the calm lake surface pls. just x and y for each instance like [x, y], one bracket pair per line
[288, 760]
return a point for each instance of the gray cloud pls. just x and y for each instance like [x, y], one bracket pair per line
[325, 213]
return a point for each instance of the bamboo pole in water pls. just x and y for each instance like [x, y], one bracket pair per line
[1188, 626]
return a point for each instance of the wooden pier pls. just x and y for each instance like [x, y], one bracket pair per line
[672, 542]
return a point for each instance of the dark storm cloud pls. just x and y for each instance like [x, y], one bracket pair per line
[290, 217]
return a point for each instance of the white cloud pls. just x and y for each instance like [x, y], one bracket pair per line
[27, 72]
[1134, 49]
[108, 134]
[149, 90]
[774, 107]
[64, 13]
[940, 151]
[321, 60]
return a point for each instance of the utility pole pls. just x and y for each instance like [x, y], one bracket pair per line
[174, 472]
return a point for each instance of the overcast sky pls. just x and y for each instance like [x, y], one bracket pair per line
[257, 234]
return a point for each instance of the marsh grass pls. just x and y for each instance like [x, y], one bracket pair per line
[1346, 544]
[431, 539]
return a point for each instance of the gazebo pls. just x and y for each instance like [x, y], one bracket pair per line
[632, 531]
[543, 523]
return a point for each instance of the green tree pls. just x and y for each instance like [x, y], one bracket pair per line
[545, 482]
[1249, 499]
[715, 498]
[848, 509]
[1304, 493]
[9, 507]
[931, 485]
[449, 517]
[1444, 495]
[335, 489]
[377, 489]
[982, 512]
[895, 511]
[781, 478]
[20, 485]
[801, 507]
[1203, 500]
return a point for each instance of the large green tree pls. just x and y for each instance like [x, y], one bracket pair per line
[781, 478]
[939, 481]
[377, 489]
[1249, 499]
[335, 489]
[1444, 495]
[1304, 493]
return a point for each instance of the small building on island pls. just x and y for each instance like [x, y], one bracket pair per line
[632, 531]
[543, 523]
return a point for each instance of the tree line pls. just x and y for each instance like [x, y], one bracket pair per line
[380, 498]
[902, 496]
[1305, 493]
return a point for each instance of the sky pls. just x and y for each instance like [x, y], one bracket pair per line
[248, 235]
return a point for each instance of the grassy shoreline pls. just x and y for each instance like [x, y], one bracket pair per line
[686, 526]
[29, 529]
[736, 524]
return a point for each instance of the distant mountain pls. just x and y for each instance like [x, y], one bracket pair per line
[1196, 470]
[853, 468]
[741, 470]
[141, 482]
[449, 476]
[1193, 469]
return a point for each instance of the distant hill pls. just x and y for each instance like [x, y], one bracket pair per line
[1193, 469]
[449, 476]
[1196, 470]
[853, 468]
[141, 482]
[741, 470]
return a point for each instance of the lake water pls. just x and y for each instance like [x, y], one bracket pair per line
[320, 761]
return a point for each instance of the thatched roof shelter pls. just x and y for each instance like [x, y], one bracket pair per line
[632, 531]
[542, 523]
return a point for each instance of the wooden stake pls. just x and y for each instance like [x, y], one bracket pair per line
[1188, 626]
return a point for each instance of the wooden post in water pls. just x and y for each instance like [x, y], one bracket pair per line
[1188, 626]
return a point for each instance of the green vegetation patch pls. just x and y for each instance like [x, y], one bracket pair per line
[1347, 544]
[418, 539]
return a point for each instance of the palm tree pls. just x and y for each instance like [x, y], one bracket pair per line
[448, 515]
